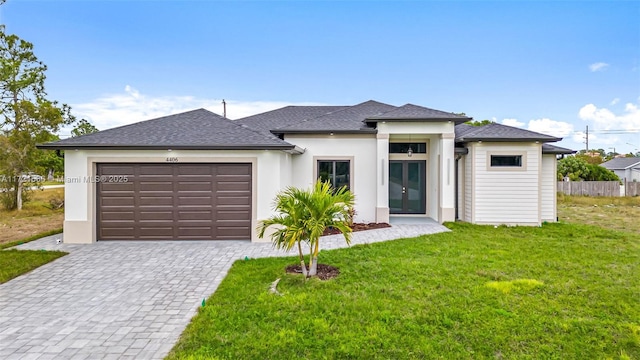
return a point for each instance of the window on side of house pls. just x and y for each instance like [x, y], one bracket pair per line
[337, 172]
[506, 160]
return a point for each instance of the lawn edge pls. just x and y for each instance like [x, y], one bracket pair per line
[30, 238]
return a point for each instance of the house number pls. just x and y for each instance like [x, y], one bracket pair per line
[172, 159]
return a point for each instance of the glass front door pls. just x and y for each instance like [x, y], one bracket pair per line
[407, 187]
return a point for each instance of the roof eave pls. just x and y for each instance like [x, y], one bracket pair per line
[53, 146]
[297, 131]
[382, 119]
[464, 140]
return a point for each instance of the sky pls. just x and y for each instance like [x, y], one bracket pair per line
[551, 67]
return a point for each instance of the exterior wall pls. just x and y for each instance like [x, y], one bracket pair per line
[548, 189]
[461, 187]
[469, 184]
[634, 175]
[440, 190]
[508, 196]
[361, 150]
[80, 195]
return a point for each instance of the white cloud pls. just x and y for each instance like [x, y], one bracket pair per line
[614, 101]
[605, 119]
[599, 66]
[512, 122]
[551, 127]
[131, 106]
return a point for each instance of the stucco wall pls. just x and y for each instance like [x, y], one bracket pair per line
[79, 226]
[360, 149]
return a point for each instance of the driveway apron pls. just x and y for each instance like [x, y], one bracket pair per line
[122, 299]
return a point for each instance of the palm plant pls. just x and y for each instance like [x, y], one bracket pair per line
[303, 215]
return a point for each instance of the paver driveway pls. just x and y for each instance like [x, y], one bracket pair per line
[118, 300]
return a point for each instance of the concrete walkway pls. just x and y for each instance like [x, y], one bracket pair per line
[128, 300]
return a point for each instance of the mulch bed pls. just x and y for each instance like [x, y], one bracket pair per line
[358, 227]
[325, 272]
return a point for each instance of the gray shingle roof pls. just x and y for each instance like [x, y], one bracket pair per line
[414, 112]
[499, 132]
[622, 163]
[197, 129]
[285, 116]
[553, 149]
[347, 120]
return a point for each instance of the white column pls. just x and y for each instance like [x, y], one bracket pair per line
[446, 208]
[382, 178]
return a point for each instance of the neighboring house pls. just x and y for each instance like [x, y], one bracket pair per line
[627, 168]
[197, 175]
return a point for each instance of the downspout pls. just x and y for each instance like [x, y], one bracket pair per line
[455, 178]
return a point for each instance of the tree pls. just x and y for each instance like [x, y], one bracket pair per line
[578, 169]
[573, 167]
[303, 217]
[479, 123]
[83, 127]
[28, 117]
[599, 173]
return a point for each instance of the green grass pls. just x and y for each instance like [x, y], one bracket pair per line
[563, 291]
[14, 263]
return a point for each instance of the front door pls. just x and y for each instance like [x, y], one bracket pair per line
[407, 186]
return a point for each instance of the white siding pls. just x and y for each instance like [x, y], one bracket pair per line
[461, 188]
[548, 184]
[468, 185]
[507, 196]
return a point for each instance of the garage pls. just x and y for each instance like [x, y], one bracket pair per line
[158, 201]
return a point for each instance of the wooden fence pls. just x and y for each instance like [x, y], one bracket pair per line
[599, 188]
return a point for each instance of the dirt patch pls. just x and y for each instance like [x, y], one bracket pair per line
[325, 272]
[21, 228]
[357, 227]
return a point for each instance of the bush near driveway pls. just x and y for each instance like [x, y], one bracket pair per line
[559, 291]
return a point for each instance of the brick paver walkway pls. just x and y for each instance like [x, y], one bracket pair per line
[120, 300]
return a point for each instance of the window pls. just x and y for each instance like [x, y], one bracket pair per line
[506, 160]
[337, 172]
[402, 148]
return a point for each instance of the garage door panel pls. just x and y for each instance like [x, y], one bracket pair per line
[118, 215]
[233, 169]
[196, 185]
[234, 186]
[118, 201]
[160, 200]
[122, 169]
[175, 202]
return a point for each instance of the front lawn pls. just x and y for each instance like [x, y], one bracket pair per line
[37, 216]
[14, 263]
[560, 291]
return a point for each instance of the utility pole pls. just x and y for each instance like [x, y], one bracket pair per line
[224, 109]
[587, 137]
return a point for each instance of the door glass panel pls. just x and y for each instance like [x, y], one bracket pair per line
[415, 187]
[395, 187]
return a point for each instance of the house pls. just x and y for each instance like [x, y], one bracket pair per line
[197, 175]
[627, 168]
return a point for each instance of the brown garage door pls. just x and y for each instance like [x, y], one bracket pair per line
[174, 201]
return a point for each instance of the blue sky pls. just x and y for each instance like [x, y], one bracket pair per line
[553, 67]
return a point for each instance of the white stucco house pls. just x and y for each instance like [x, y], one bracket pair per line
[197, 175]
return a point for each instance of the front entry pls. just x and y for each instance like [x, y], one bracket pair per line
[407, 186]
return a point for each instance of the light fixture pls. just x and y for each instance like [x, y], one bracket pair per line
[410, 151]
[331, 134]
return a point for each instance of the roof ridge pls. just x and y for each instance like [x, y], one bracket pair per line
[346, 107]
